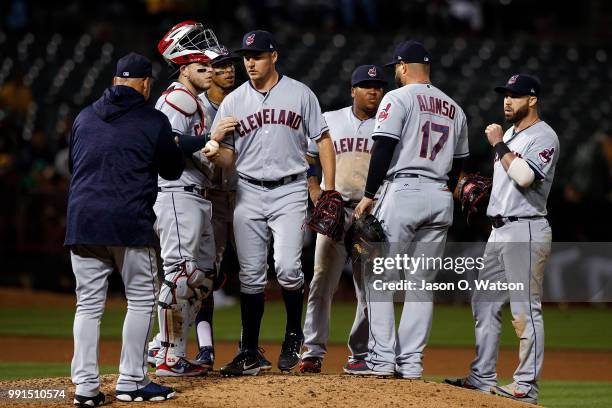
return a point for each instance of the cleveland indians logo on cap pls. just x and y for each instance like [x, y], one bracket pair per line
[384, 114]
[372, 72]
[249, 40]
[547, 154]
[512, 79]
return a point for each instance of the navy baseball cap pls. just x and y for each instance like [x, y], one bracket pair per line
[521, 85]
[366, 73]
[258, 41]
[225, 56]
[134, 66]
[410, 51]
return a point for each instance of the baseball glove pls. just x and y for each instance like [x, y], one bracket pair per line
[365, 233]
[474, 191]
[327, 217]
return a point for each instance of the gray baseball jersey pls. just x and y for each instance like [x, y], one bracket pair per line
[198, 171]
[431, 130]
[222, 179]
[271, 138]
[430, 127]
[539, 146]
[353, 143]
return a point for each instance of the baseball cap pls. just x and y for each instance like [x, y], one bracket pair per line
[226, 56]
[521, 85]
[410, 51]
[258, 41]
[134, 66]
[365, 73]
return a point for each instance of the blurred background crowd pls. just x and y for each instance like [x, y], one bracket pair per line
[58, 56]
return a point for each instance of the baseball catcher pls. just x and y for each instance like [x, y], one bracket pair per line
[474, 191]
[327, 218]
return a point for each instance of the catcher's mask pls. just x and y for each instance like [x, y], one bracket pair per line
[189, 42]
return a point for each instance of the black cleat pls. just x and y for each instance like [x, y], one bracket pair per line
[245, 363]
[264, 363]
[290, 353]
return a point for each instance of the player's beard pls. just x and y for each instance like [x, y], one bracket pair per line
[518, 115]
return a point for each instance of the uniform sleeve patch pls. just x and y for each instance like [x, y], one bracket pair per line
[546, 155]
[384, 113]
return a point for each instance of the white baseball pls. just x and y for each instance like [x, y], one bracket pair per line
[212, 147]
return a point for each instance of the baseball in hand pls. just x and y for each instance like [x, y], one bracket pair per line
[211, 148]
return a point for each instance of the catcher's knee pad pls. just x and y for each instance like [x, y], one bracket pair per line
[189, 282]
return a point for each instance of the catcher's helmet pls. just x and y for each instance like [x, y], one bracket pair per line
[189, 42]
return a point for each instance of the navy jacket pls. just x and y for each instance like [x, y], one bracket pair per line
[118, 146]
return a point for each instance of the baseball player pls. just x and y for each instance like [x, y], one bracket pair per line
[350, 129]
[183, 214]
[420, 136]
[519, 244]
[267, 122]
[117, 147]
[222, 195]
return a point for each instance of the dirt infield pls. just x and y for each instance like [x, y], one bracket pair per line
[330, 389]
[439, 361]
[278, 390]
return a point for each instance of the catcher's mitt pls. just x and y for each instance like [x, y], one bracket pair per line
[327, 217]
[365, 233]
[474, 191]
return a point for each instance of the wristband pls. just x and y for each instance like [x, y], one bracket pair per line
[501, 149]
[312, 171]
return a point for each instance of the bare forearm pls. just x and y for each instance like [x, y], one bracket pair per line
[225, 158]
[327, 157]
[314, 189]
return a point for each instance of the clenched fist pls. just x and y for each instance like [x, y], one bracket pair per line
[495, 134]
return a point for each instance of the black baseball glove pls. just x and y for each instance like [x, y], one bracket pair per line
[327, 217]
[366, 232]
[474, 192]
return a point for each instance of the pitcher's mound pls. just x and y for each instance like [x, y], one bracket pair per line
[285, 390]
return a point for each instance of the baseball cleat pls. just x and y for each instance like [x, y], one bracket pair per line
[87, 402]
[264, 363]
[183, 368]
[464, 383]
[290, 352]
[152, 355]
[311, 365]
[152, 392]
[359, 367]
[460, 382]
[514, 392]
[245, 363]
[206, 357]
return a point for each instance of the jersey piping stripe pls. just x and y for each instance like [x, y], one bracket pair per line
[178, 235]
[368, 295]
[145, 345]
[461, 155]
[535, 167]
[318, 136]
[385, 134]
[535, 338]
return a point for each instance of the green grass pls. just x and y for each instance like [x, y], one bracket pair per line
[21, 370]
[573, 328]
[568, 394]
